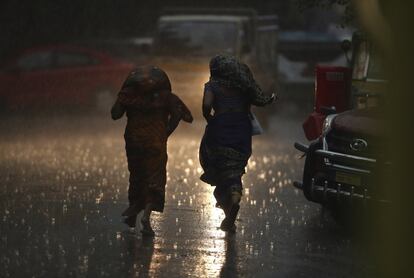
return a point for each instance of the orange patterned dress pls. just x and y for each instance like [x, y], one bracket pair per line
[153, 113]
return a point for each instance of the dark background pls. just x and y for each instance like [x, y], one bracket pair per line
[27, 23]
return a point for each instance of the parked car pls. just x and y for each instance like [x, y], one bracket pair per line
[134, 49]
[346, 162]
[64, 76]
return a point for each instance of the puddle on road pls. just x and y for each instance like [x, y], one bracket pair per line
[61, 200]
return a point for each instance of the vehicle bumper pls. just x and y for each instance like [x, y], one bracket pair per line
[335, 177]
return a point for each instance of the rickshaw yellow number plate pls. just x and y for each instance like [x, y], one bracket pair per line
[348, 178]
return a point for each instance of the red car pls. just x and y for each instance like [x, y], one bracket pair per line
[61, 76]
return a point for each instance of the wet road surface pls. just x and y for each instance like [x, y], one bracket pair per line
[63, 185]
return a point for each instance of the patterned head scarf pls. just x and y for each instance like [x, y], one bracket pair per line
[231, 73]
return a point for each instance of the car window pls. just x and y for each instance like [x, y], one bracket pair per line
[74, 59]
[35, 61]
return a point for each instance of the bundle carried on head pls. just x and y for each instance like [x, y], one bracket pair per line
[143, 85]
[147, 89]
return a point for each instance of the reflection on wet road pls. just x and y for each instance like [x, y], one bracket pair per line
[63, 187]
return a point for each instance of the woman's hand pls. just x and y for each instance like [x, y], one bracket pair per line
[273, 98]
[208, 99]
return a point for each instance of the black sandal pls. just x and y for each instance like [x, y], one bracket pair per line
[228, 226]
[131, 221]
[146, 228]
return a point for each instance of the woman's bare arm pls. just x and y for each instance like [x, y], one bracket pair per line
[208, 99]
[177, 111]
[117, 110]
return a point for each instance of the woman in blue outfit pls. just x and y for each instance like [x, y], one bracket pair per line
[227, 142]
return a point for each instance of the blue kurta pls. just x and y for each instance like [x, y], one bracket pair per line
[227, 142]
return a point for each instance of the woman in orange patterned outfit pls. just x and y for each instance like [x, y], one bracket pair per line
[153, 113]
